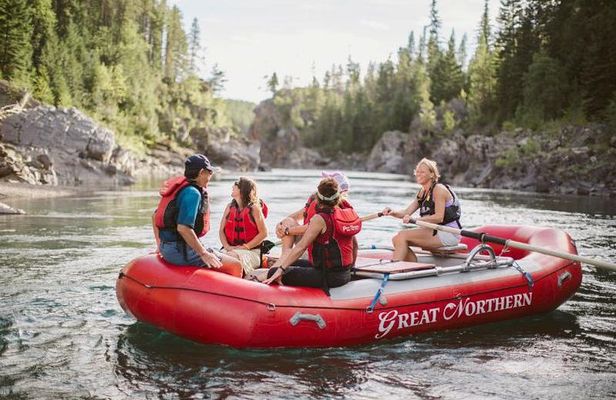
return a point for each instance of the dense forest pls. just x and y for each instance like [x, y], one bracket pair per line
[545, 64]
[129, 64]
[133, 67]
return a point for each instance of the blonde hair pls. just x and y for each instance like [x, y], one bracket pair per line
[431, 165]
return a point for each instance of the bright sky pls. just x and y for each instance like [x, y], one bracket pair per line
[250, 39]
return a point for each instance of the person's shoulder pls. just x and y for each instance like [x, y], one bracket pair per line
[345, 203]
[317, 219]
[190, 193]
[441, 189]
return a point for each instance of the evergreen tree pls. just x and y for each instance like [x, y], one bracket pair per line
[545, 90]
[217, 79]
[15, 47]
[176, 47]
[482, 75]
[194, 46]
[511, 70]
[411, 46]
[434, 51]
[272, 84]
[461, 55]
[447, 78]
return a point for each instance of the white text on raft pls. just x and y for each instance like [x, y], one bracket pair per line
[463, 308]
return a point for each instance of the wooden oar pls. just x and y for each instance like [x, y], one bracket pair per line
[370, 217]
[483, 237]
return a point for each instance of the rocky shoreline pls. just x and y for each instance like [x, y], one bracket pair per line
[568, 160]
[47, 151]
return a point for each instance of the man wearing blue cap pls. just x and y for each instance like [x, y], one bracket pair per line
[183, 215]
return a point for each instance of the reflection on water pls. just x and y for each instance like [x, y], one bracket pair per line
[63, 335]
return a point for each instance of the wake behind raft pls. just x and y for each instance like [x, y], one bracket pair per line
[385, 300]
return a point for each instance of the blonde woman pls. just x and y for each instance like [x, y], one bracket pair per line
[437, 204]
[242, 228]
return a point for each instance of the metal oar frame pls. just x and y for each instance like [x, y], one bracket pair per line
[474, 261]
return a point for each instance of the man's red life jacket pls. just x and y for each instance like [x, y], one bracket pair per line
[310, 209]
[240, 227]
[333, 249]
[166, 214]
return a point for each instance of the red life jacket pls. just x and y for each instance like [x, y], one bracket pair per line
[240, 227]
[333, 249]
[166, 214]
[310, 209]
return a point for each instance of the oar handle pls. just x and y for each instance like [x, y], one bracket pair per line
[519, 245]
[370, 217]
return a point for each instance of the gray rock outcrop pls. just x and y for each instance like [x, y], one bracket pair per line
[48, 145]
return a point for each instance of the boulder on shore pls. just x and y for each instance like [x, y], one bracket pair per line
[49, 145]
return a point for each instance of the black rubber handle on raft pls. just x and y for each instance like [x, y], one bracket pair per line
[482, 237]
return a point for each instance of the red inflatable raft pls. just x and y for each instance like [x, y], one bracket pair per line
[386, 300]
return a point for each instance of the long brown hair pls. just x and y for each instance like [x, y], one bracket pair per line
[248, 191]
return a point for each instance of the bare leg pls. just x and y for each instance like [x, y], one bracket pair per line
[230, 264]
[287, 241]
[420, 237]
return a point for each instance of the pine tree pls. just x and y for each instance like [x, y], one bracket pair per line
[15, 47]
[217, 79]
[461, 55]
[272, 84]
[510, 71]
[176, 47]
[545, 90]
[434, 50]
[482, 75]
[194, 46]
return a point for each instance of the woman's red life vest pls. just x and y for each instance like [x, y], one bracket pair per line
[310, 209]
[166, 214]
[240, 227]
[333, 249]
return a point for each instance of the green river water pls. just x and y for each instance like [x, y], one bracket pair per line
[63, 334]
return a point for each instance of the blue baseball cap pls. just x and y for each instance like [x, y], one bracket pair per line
[198, 162]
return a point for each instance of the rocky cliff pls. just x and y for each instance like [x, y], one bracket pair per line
[48, 145]
[45, 145]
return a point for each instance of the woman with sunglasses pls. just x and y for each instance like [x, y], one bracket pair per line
[437, 204]
[242, 227]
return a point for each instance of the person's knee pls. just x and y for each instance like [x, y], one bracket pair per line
[397, 238]
[289, 222]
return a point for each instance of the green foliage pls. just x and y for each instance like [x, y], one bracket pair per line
[108, 58]
[133, 67]
[15, 47]
[545, 88]
[482, 75]
[449, 121]
[240, 113]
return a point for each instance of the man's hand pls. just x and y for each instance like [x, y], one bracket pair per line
[211, 260]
